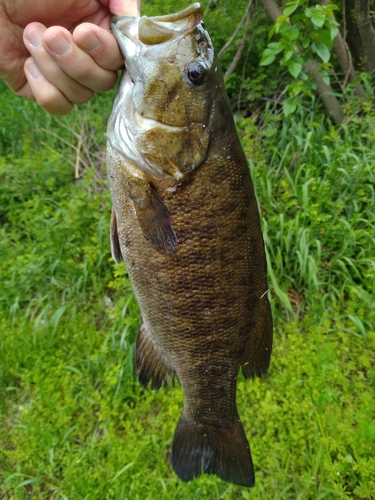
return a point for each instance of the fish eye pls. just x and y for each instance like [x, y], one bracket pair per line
[196, 73]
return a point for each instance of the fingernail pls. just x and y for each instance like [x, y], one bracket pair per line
[59, 45]
[34, 37]
[33, 69]
[90, 42]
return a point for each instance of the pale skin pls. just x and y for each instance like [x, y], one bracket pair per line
[59, 52]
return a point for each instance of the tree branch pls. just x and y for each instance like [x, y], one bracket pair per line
[366, 32]
[345, 60]
[325, 92]
[241, 46]
[271, 8]
[225, 47]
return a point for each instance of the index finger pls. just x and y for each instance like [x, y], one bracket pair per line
[100, 44]
[125, 7]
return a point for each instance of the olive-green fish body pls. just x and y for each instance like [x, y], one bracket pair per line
[185, 221]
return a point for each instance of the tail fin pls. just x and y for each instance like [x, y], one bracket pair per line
[223, 451]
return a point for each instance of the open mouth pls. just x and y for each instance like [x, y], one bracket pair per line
[156, 30]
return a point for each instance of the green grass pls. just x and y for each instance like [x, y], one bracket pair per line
[74, 422]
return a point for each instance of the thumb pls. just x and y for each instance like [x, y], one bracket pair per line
[125, 7]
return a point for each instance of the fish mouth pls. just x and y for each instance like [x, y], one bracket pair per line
[154, 30]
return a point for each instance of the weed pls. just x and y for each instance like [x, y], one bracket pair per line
[74, 421]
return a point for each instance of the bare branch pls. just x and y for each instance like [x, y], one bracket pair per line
[325, 92]
[225, 47]
[271, 8]
[241, 47]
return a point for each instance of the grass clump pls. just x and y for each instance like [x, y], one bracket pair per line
[74, 422]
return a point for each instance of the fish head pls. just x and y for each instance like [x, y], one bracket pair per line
[168, 59]
[166, 98]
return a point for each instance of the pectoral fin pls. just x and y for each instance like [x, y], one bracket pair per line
[153, 216]
[115, 243]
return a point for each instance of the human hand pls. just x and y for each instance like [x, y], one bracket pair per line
[73, 53]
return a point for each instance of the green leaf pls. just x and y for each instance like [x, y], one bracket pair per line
[288, 54]
[322, 36]
[305, 43]
[295, 88]
[316, 16]
[272, 32]
[334, 31]
[280, 23]
[267, 58]
[323, 52]
[295, 69]
[290, 8]
[289, 106]
[275, 46]
[290, 32]
[325, 78]
[269, 54]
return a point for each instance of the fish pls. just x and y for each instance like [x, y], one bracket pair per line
[186, 222]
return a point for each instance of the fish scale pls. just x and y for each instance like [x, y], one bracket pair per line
[189, 233]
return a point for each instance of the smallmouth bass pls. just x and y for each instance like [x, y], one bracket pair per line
[186, 223]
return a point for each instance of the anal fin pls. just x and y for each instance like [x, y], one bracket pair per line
[151, 361]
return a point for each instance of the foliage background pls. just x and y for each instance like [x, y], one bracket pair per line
[74, 422]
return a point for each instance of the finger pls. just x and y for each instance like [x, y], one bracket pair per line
[125, 7]
[100, 44]
[73, 91]
[53, 68]
[44, 92]
[78, 64]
